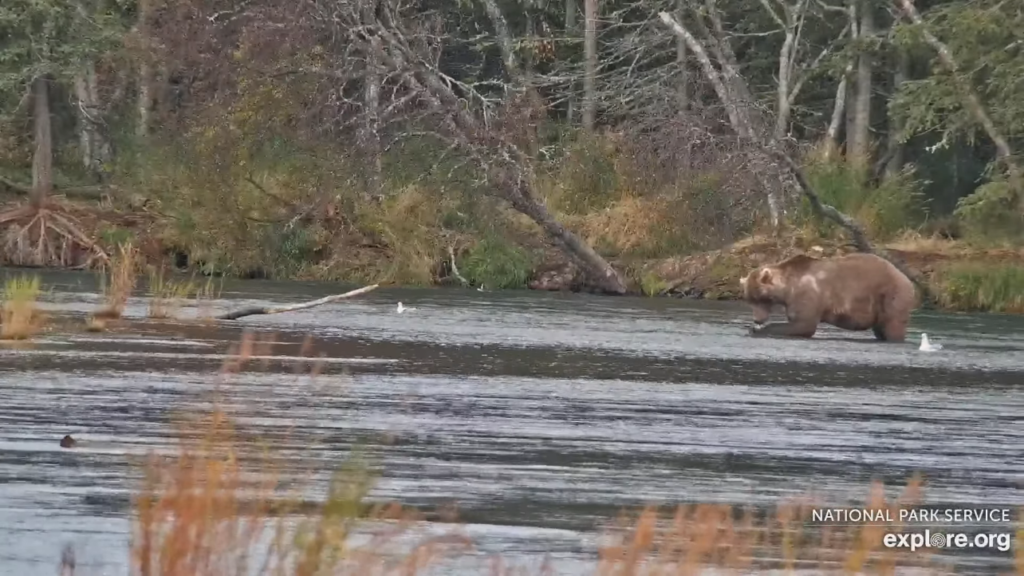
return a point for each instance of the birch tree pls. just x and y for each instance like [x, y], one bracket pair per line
[710, 43]
[859, 137]
[590, 59]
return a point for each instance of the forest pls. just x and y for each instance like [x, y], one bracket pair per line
[617, 146]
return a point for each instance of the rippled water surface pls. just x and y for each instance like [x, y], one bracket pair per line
[540, 414]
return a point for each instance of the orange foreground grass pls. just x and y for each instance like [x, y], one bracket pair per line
[220, 506]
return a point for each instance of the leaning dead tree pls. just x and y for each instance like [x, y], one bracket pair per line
[485, 128]
[710, 46]
[857, 233]
[645, 75]
[705, 33]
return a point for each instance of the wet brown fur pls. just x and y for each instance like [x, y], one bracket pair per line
[853, 292]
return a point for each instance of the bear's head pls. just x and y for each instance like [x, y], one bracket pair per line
[763, 288]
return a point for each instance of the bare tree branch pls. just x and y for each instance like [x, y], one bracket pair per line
[260, 310]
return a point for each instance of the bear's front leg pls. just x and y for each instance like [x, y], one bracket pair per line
[798, 329]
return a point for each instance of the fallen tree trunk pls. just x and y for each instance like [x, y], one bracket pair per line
[599, 272]
[257, 310]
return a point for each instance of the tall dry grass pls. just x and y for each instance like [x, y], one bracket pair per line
[692, 538]
[20, 318]
[222, 504]
[119, 281]
[204, 297]
[166, 297]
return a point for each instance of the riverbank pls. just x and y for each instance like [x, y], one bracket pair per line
[961, 276]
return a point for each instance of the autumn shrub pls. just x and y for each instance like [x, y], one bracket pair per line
[408, 226]
[214, 508]
[238, 205]
[236, 208]
[981, 287]
[632, 226]
[233, 206]
[692, 538]
[627, 204]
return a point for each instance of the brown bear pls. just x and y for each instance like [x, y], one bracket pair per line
[853, 292]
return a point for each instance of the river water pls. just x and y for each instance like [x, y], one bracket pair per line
[541, 415]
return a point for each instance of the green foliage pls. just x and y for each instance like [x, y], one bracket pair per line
[990, 213]
[426, 161]
[229, 205]
[53, 37]
[897, 203]
[22, 288]
[497, 263]
[982, 37]
[982, 288]
[651, 284]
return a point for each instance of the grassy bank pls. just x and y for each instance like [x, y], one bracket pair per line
[978, 287]
[213, 203]
[225, 502]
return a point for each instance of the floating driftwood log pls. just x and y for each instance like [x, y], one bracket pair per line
[257, 310]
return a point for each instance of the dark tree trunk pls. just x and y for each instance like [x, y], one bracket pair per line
[42, 161]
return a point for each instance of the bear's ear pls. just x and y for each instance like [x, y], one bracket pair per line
[766, 276]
